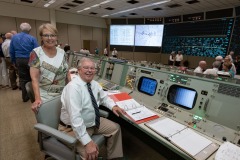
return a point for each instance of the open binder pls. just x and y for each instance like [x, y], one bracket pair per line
[186, 139]
[136, 112]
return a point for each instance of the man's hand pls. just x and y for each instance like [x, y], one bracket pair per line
[117, 110]
[91, 151]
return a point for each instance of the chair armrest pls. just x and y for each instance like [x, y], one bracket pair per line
[103, 113]
[55, 133]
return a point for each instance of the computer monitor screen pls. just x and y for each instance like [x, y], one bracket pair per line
[122, 35]
[147, 85]
[149, 35]
[182, 96]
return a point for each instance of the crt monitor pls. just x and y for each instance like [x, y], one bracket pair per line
[147, 85]
[182, 96]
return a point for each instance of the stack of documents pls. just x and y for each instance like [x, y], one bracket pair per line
[136, 112]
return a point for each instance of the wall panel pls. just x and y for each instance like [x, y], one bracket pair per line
[74, 37]
[97, 35]
[62, 33]
[7, 24]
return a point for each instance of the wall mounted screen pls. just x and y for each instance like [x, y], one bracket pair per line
[147, 85]
[182, 96]
[122, 35]
[149, 35]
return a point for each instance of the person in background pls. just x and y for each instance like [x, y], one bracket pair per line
[172, 58]
[96, 51]
[13, 32]
[231, 54]
[219, 59]
[59, 45]
[178, 59]
[237, 64]
[114, 52]
[67, 50]
[213, 71]
[10, 66]
[201, 67]
[3, 68]
[48, 67]
[105, 52]
[226, 70]
[233, 68]
[21, 46]
[80, 111]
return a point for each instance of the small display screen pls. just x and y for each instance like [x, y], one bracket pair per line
[147, 85]
[182, 96]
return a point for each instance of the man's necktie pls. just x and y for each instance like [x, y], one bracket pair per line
[94, 103]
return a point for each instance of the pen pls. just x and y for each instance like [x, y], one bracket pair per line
[136, 112]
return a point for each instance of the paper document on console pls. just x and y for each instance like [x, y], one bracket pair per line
[166, 127]
[135, 111]
[228, 151]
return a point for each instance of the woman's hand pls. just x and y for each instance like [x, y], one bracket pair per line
[36, 105]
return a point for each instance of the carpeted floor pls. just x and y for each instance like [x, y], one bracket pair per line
[18, 139]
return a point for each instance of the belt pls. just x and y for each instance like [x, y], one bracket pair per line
[63, 124]
[7, 57]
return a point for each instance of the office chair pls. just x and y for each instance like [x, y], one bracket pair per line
[53, 142]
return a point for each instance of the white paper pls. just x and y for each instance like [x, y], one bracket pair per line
[189, 141]
[140, 113]
[135, 110]
[166, 127]
[228, 151]
[128, 104]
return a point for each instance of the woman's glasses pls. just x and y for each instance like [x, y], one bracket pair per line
[49, 35]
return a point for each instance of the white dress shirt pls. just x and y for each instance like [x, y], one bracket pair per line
[198, 70]
[179, 57]
[6, 47]
[114, 52]
[212, 71]
[77, 109]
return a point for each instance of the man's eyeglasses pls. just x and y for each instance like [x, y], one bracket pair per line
[49, 35]
[89, 68]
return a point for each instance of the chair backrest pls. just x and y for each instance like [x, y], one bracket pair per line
[49, 112]
[30, 91]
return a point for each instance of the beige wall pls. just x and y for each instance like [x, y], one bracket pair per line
[67, 33]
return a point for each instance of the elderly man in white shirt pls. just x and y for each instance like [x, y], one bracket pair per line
[201, 66]
[79, 112]
[213, 71]
[10, 66]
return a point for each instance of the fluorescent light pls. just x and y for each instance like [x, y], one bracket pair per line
[52, 1]
[46, 5]
[96, 5]
[105, 15]
[86, 8]
[144, 6]
[49, 3]
[107, 1]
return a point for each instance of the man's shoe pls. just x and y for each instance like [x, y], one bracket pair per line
[15, 88]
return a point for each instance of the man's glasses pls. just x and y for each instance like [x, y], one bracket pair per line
[49, 35]
[89, 68]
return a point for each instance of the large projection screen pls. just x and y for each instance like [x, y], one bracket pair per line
[149, 35]
[122, 35]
